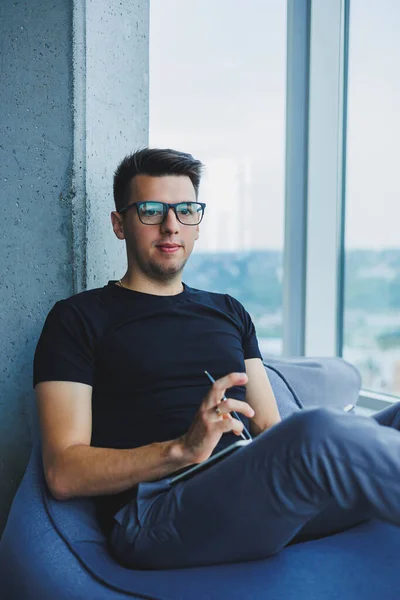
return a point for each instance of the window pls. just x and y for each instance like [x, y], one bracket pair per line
[372, 258]
[217, 90]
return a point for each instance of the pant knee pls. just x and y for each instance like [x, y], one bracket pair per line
[317, 424]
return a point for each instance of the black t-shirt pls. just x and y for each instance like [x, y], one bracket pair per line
[144, 356]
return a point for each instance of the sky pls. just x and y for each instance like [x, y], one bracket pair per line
[373, 135]
[217, 90]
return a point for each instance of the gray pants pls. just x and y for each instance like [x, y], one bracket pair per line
[317, 472]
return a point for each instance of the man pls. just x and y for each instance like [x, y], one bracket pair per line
[124, 403]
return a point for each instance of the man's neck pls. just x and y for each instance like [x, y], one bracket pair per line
[149, 287]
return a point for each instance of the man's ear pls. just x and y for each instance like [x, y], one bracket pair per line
[117, 225]
[197, 232]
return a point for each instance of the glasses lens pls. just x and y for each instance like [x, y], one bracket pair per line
[189, 213]
[151, 213]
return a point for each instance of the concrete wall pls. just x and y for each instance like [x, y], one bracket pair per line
[74, 101]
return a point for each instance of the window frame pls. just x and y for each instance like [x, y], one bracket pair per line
[315, 185]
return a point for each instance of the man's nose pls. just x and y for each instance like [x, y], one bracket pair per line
[170, 223]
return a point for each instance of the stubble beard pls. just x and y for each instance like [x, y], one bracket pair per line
[161, 272]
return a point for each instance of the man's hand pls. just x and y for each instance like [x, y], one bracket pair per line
[208, 427]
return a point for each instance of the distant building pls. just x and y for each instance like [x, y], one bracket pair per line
[228, 222]
[381, 271]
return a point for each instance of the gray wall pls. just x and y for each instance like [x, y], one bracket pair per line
[73, 102]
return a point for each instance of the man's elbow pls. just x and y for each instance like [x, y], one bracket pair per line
[58, 483]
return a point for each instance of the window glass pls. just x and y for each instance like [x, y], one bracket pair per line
[217, 90]
[372, 260]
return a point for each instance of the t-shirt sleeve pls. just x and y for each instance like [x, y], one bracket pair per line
[65, 350]
[249, 337]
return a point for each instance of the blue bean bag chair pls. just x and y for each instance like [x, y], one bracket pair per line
[54, 550]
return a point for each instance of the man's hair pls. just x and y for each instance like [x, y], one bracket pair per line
[156, 163]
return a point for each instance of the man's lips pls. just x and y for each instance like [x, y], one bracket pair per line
[168, 248]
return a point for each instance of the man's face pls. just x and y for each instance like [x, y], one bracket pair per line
[145, 242]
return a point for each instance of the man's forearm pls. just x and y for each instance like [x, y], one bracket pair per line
[82, 470]
[255, 429]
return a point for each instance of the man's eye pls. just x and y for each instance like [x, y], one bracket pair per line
[185, 210]
[151, 212]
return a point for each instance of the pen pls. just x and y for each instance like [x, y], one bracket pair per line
[233, 412]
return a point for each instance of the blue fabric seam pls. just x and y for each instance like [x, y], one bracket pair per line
[87, 567]
[296, 399]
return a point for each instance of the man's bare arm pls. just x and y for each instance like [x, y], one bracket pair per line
[73, 467]
[260, 396]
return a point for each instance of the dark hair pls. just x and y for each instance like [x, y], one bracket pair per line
[156, 163]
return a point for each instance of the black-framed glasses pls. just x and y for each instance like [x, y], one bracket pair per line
[153, 212]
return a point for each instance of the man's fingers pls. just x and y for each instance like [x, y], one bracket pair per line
[234, 425]
[221, 385]
[229, 423]
[230, 380]
[230, 404]
[221, 414]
